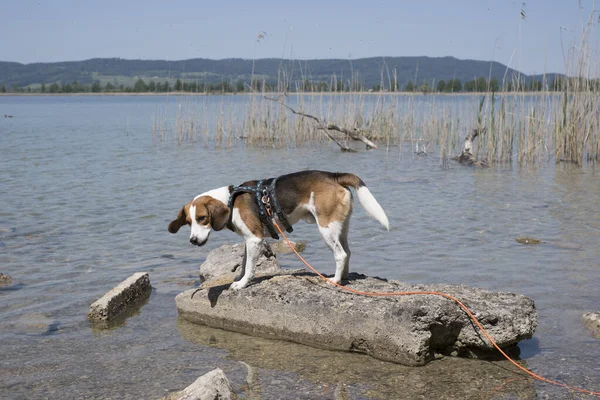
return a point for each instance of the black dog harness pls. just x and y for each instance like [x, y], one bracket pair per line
[266, 201]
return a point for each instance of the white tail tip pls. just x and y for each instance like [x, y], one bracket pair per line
[372, 207]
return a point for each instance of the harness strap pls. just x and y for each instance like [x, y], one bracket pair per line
[264, 197]
[277, 207]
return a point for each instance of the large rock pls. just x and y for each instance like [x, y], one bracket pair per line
[410, 330]
[592, 322]
[211, 386]
[225, 262]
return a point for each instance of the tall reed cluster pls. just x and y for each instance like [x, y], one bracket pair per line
[515, 127]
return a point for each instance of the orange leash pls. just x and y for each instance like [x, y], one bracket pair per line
[454, 299]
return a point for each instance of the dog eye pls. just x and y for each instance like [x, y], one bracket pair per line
[201, 219]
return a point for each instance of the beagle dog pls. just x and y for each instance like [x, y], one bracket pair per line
[317, 197]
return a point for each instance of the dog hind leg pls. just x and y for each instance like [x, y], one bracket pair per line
[332, 234]
[346, 247]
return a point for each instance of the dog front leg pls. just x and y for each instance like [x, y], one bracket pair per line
[251, 257]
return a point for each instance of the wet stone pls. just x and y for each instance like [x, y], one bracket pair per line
[129, 294]
[35, 324]
[5, 279]
[592, 322]
[210, 386]
[282, 247]
[528, 240]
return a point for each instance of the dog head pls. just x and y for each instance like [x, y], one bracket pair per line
[202, 214]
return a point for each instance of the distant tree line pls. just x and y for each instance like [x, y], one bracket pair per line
[483, 85]
[140, 86]
[560, 83]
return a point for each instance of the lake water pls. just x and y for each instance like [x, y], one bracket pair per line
[88, 192]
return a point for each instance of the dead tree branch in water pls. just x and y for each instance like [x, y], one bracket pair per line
[354, 134]
[466, 156]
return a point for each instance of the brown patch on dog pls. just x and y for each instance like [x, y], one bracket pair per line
[332, 203]
[347, 179]
[209, 211]
[214, 212]
[218, 214]
[201, 210]
[245, 206]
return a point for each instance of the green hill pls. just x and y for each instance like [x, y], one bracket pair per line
[369, 72]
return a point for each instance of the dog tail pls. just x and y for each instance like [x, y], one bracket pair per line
[365, 197]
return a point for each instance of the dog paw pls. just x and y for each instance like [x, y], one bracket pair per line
[237, 285]
[336, 281]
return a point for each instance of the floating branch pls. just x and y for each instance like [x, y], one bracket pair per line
[354, 134]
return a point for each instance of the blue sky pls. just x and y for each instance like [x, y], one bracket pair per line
[65, 30]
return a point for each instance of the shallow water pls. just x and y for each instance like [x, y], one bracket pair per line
[87, 194]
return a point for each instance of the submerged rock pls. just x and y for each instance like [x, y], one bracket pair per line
[561, 245]
[528, 240]
[410, 330]
[5, 279]
[364, 376]
[281, 247]
[211, 386]
[116, 303]
[35, 324]
[592, 322]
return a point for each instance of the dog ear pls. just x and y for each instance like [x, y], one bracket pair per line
[179, 222]
[219, 214]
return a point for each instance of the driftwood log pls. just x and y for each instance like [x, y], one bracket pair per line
[353, 134]
[466, 156]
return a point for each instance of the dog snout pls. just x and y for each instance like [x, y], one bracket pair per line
[196, 241]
